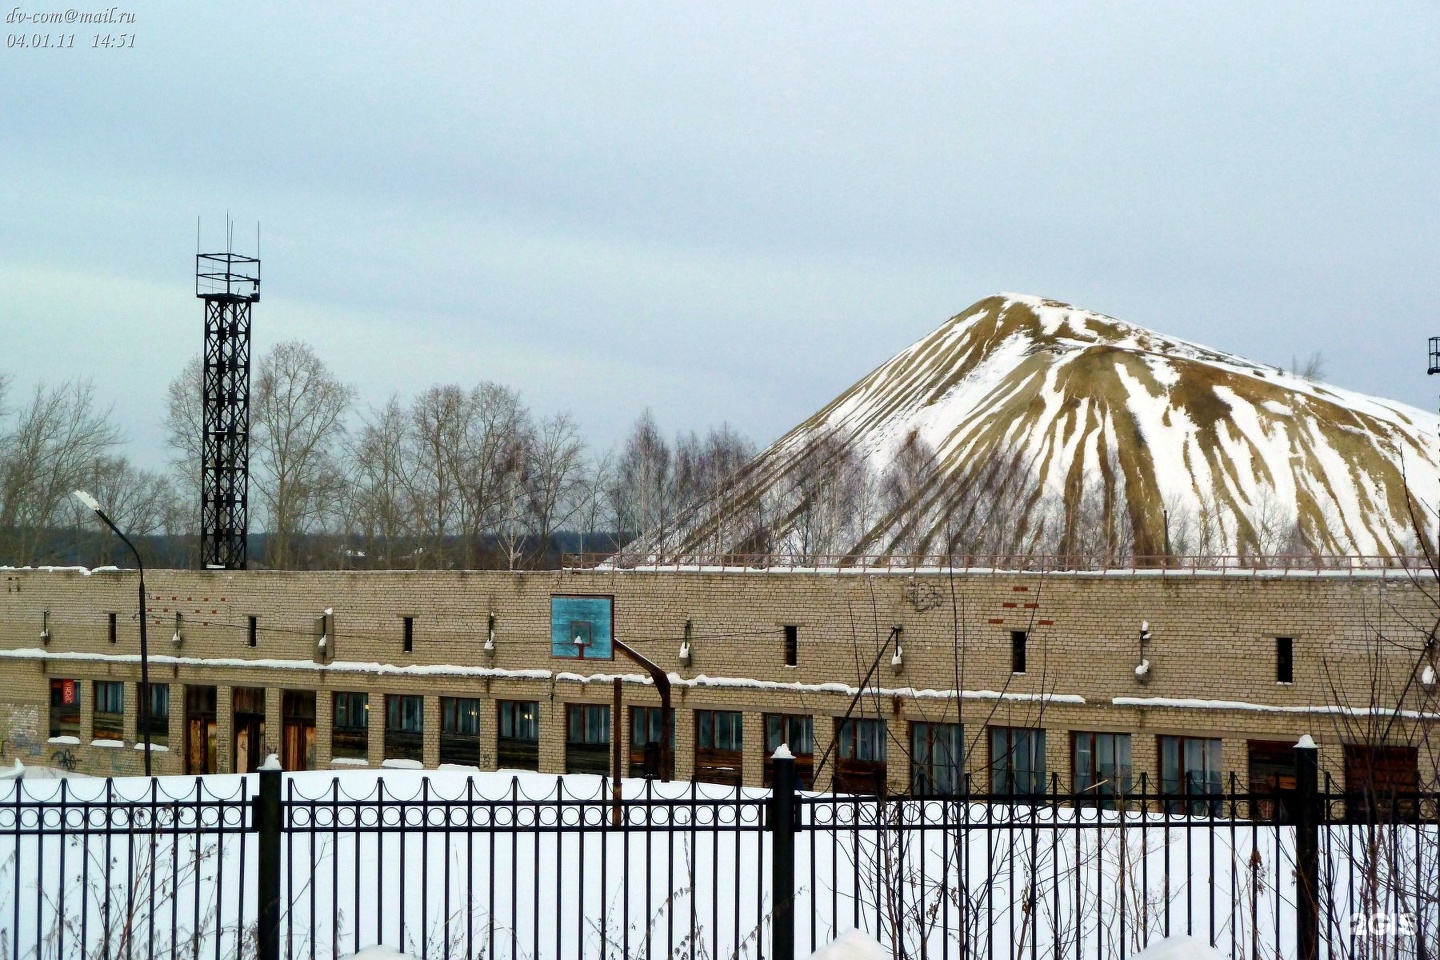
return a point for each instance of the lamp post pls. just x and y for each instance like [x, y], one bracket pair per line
[144, 713]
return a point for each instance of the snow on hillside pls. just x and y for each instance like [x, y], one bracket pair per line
[1024, 425]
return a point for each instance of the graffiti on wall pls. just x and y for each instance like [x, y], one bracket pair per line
[22, 738]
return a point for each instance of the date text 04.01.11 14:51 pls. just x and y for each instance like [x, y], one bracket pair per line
[66, 41]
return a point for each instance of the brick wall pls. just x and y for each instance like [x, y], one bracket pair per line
[1213, 640]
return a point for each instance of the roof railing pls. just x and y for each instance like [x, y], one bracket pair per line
[1230, 564]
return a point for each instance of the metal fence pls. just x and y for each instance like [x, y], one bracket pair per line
[308, 866]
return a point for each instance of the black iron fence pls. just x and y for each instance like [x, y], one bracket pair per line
[312, 866]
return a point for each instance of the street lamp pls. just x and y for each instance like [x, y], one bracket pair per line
[144, 714]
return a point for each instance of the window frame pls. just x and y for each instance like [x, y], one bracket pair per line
[1285, 660]
[1184, 791]
[588, 731]
[106, 724]
[719, 764]
[404, 739]
[460, 730]
[350, 740]
[855, 772]
[518, 752]
[789, 724]
[159, 718]
[925, 736]
[65, 717]
[1111, 791]
[1004, 778]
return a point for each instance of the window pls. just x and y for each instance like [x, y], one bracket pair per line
[792, 645]
[409, 631]
[349, 731]
[798, 733]
[248, 729]
[719, 746]
[860, 756]
[518, 743]
[404, 727]
[1017, 761]
[252, 630]
[159, 714]
[587, 723]
[108, 721]
[297, 729]
[937, 754]
[1380, 781]
[720, 730]
[64, 708]
[1190, 767]
[111, 618]
[1273, 778]
[1100, 763]
[587, 738]
[460, 730]
[200, 737]
[1017, 650]
[1284, 660]
[647, 733]
[520, 720]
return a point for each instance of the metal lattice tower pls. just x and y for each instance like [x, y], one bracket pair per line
[229, 284]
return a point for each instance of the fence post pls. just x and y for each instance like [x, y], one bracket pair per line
[782, 856]
[1307, 849]
[268, 825]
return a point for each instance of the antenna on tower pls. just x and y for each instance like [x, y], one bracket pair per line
[230, 285]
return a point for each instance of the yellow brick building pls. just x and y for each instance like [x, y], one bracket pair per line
[1008, 677]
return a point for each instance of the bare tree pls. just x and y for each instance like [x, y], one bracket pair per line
[642, 488]
[436, 430]
[491, 460]
[380, 515]
[593, 502]
[907, 489]
[829, 501]
[57, 437]
[1313, 367]
[556, 478]
[298, 424]
[183, 425]
[137, 500]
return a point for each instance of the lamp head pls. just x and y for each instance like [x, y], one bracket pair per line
[88, 500]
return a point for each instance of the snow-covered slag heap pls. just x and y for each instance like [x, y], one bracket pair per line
[1028, 426]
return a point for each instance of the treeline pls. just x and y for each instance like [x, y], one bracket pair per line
[455, 477]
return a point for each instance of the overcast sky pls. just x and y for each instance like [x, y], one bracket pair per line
[724, 212]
